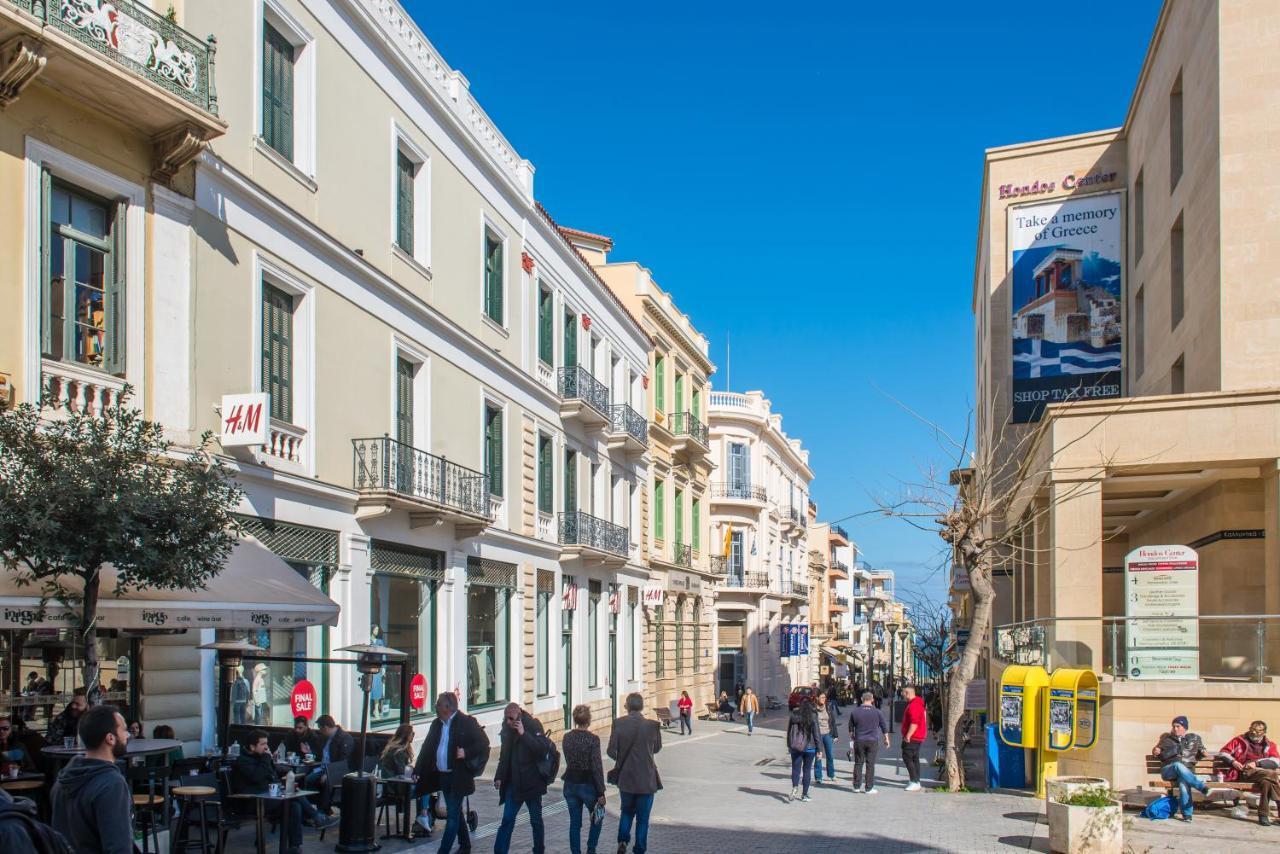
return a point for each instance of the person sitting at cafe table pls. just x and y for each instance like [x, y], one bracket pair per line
[254, 772]
[396, 760]
[335, 746]
[166, 732]
[13, 750]
[302, 739]
[67, 722]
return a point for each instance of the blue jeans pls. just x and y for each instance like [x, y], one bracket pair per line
[686, 723]
[801, 760]
[751, 721]
[511, 809]
[580, 796]
[454, 825]
[637, 807]
[1187, 780]
[827, 747]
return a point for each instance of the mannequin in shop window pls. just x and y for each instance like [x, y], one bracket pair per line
[377, 690]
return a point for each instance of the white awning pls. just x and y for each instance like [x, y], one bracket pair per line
[255, 590]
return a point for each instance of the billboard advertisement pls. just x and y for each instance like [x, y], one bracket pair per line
[1067, 293]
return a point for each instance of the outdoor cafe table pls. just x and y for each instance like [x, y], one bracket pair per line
[136, 747]
[28, 784]
[262, 797]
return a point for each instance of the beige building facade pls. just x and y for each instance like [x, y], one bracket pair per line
[1187, 454]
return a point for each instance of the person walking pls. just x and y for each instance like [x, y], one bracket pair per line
[749, 705]
[867, 728]
[91, 800]
[632, 744]
[826, 738]
[802, 741]
[915, 728]
[583, 781]
[518, 780]
[454, 754]
[1253, 758]
[1178, 751]
[685, 706]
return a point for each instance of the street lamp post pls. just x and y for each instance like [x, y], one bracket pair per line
[359, 828]
[893, 651]
[903, 634]
[230, 656]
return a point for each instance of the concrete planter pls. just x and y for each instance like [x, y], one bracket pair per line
[1082, 830]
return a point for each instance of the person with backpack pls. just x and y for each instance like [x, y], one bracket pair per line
[527, 762]
[803, 736]
[583, 780]
[22, 832]
[92, 804]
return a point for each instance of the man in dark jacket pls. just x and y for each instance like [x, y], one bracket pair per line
[255, 770]
[67, 722]
[454, 754]
[335, 746]
[301, 740]
[517, 780]
[91, 801]
[632, 744]
[867, 726]
[1178, 751]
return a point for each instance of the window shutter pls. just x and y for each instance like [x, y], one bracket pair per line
[404, 202]
[495, 452]
[570, 340]
[697, 524]
[660, 395]
[697, 404]
[277, 91]
[544, 474]
[497, 282]
[404, 402]
[679, 509]
[277, 351]
[114, 360]
[570, 482]
[659, 526]
[679, 401]
[544, 326]
[46, 243]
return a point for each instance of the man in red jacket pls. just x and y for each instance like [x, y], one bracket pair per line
[914, 729]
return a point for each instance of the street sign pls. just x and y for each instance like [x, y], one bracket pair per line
[244, 419]
[302, 700]
[418, 691]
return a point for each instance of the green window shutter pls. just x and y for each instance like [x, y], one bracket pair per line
[404, 402]
[277, 351]
[659, 524]
[493, 443]
[277, 90]
[697, 524]
[544, 474]
[570, 340]
[493, 277]
[696, 404]
[404, 202]
[46, 272]
[679, 508]
[545, 321]
[570, 481]
[660, 393]
[114, 358]
[679, 401]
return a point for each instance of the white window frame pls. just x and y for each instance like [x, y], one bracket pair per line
[421, 361]
[486, 225]
[303, 342]
[79, 173]
[304, 90]
[402, 143]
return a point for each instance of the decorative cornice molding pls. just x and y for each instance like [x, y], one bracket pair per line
[659, 316]
[21, 59]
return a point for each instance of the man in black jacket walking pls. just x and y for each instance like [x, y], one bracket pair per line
[518, 781]
[454, 754]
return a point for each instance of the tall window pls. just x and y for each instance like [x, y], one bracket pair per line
[545, 326]
[736, 557]
[83, 278]
[633, 633]
[695, 405]
[697, 632]
[659, 641]
[570, 340]
[277, 351]
[593, 634]
[405, 170]
[544, 473]
[1175, 133]
[493, 449]
[1139, 215]
[542, 630]
[570, 481]
[1139, 332]
[679, 516]
[404, 401]
[680, 635]
[660, 385]
[277, 90]
[739, 466]
[489, 586]
[493, 280]
[659, 510]
[697, 524]
[1176, 273]
[402, 615]
[679, 401]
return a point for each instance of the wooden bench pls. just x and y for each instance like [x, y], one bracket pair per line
[1204, 769]
[664, 716]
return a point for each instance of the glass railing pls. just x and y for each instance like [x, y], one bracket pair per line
[385, 464]
[1218, 648]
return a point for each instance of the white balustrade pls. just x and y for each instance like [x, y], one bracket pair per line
[68, 386]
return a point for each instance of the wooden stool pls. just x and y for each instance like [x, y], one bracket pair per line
[191, 798]
[30, 788]
[21, 785]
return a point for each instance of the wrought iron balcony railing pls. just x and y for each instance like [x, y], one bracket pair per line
[839, 566]
[685, 424]
[146, 43]
[583, 529]
[624, 419]
[840, 532]
[793, 515]
[718, 564]
[578, 384]
[795, 588]
[747, 580]
[743, 491]
[385, 464]
[842, 601]
[681, 555]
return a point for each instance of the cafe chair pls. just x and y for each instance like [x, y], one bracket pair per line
[150, 788]
[332, 787]
[234, 812]
[200, 808]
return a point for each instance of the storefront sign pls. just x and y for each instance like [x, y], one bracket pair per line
[244, 419]
[418, 691]
[569, 599]
[1162, 600]
[302, 701]
[683, 582]
[1067, 296]
[652, 595]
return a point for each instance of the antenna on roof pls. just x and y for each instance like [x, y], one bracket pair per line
[728, 366]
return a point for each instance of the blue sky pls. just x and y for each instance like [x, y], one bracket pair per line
[804, 178]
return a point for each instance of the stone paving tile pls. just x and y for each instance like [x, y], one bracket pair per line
[726, 793]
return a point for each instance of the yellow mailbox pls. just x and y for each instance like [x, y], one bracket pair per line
[1071, 713]
[1020, 688]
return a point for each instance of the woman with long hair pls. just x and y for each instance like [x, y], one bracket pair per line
[685, 705]
[396, 760]
[802, 740]
[583, 780]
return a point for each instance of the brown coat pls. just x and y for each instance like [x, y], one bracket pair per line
[634, 740]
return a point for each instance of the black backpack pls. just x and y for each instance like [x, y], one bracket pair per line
[549, 762]
[44, 839]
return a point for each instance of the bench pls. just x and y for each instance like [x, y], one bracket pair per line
[772, 703]
[1204, 769]
[714, 714]
[664, 716]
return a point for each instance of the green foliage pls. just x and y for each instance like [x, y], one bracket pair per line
[79, 490]
[1094, 796]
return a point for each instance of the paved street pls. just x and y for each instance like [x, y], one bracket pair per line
[727, 792]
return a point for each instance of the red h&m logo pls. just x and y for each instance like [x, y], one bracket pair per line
[244, 419]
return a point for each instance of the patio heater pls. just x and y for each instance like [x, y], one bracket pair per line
[893, 649]
[358, 830]
[230, 656]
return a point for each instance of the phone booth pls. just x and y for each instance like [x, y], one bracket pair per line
[1071, 714]
[1020, 688]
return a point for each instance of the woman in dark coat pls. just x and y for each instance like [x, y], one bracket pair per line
[802, 740]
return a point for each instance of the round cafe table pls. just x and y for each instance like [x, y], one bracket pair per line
[135, 747]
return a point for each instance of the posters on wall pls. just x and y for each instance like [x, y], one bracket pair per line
[1011, 701]
[1067, 293]
[1061, 718]
[1162, 600]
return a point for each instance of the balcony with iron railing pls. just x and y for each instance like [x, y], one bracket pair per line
[733, 492]
[792, 519]
[583, 397]
[389, 475]
[590, 537]
[122, 59]
[753, 580]
[681, 554]
[798, 589]
[837, 568]
[840, 603]
[628, 430]
[841, 534]
[691, 438]
[718, 565]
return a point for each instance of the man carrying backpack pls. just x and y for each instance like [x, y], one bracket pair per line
[526, 763]
[22, 833]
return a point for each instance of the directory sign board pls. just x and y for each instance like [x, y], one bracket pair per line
[1162, 602]
[1067, 294]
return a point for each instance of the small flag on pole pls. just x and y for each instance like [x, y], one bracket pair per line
[728, 537]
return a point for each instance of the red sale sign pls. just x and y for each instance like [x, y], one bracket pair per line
[418, 691]
[303, 699]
